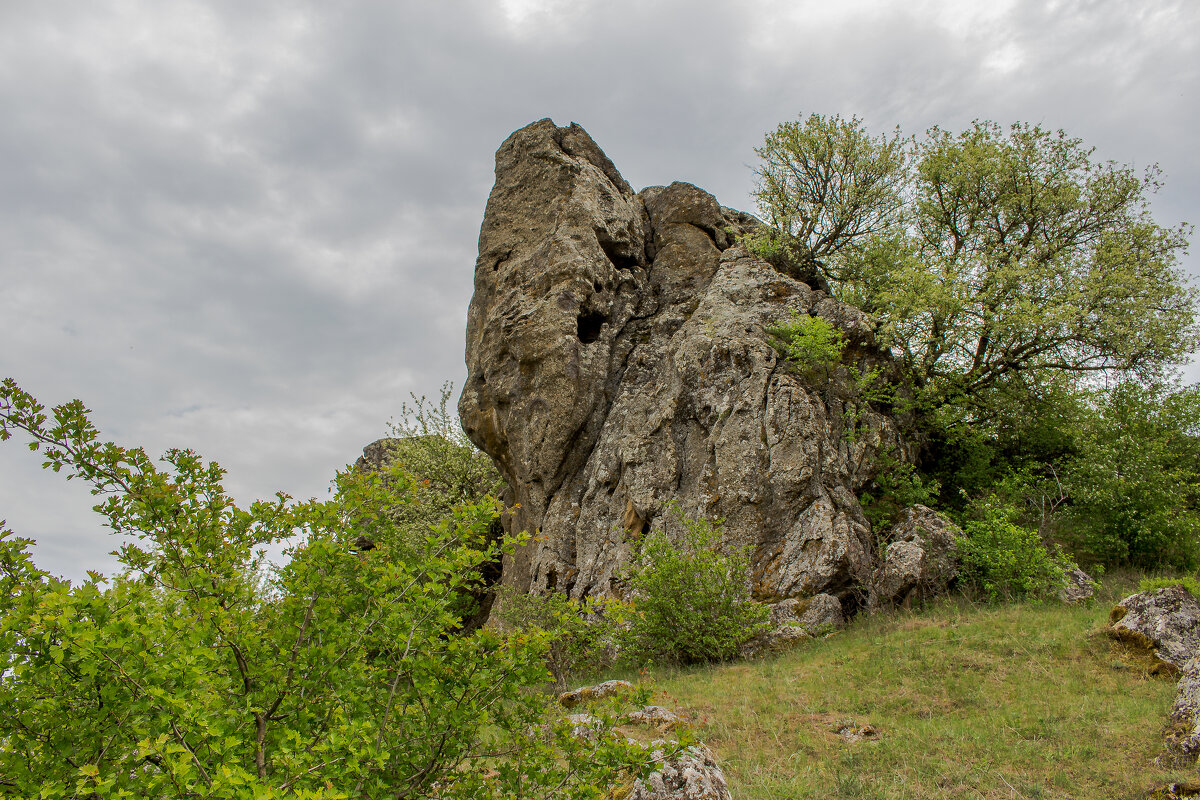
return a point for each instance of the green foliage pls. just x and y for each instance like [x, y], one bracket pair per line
[896, 486]
[200, 672]
[826, 185]
[1004, 561]
[1189, 583]
[582, 634]
[811, 343]
[1134, 482]
[439, 464]
[1000, 254]
[690, 595]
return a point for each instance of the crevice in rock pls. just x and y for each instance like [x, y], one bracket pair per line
[617, 254]
[589, 326]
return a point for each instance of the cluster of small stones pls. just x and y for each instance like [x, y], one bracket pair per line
[690, 773]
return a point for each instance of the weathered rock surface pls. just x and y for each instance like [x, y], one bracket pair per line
[600, 691]
[1168, 618]
[1183, 738]
[1078, 587]
[793, 620]
[920, 561]
[693, 774]
[618, 363]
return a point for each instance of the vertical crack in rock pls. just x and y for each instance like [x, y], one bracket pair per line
[618, 364]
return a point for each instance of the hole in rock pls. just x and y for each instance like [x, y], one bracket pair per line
[616, 254]
[589, 325]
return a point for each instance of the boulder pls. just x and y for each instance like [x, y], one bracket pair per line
[1165, 621]
[1183, 734]
[1078, 587]
[692, 774]
[794, 621]
[600, 691]
[920, 560]
[618, 363]
[654, 717]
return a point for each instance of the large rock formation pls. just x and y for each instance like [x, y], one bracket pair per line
[619, 366]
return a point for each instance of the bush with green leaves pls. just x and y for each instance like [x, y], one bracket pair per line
[690, 595]
[895, 486]
[811, 343]
[1134, 481]
[199, 671]
[1001, 561]
[582, 634]
[439, 464]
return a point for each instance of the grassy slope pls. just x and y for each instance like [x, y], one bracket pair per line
[1016, 701]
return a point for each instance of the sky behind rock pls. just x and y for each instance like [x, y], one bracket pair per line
[250, 229]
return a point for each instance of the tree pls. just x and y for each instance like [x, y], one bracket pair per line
[1134, 481]
[826, 185]
[200, 671]
[986, 257]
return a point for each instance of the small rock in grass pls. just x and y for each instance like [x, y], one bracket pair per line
[598, 692]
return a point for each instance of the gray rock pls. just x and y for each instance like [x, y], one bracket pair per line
[600, 691]
[793, 621]
[1167, 620]
[693, 774]
[1079, 587]
[618, 363]
[654, 717]
[1183, 737]
[920, 560]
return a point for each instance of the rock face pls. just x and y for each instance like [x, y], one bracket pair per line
[1169, 618]
[618, 364]
[1184, 733]
[793, 621]
[1078, 587]
[920, 560]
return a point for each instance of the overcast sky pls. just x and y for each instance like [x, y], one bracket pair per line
[249, 228]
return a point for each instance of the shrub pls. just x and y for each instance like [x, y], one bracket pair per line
[1135, 482]
[199, 672]
[582, 634]
[691, 598]
[811, 343]
[896, 486]
[1004, 561]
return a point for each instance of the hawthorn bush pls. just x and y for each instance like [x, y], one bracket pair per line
[200, 671]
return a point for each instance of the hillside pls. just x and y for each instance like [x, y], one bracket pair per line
[1017, 701]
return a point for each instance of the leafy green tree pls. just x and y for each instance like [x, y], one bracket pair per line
[1134, 479]
[985, 256]
[200, 672]
[826, 185]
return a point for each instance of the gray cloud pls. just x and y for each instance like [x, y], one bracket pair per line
[251, 229]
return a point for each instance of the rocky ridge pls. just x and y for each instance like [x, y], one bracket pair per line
[619, 368]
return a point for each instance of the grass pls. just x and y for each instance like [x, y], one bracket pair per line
[1017, 701]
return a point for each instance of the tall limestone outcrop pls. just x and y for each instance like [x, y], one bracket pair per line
[619, 366]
